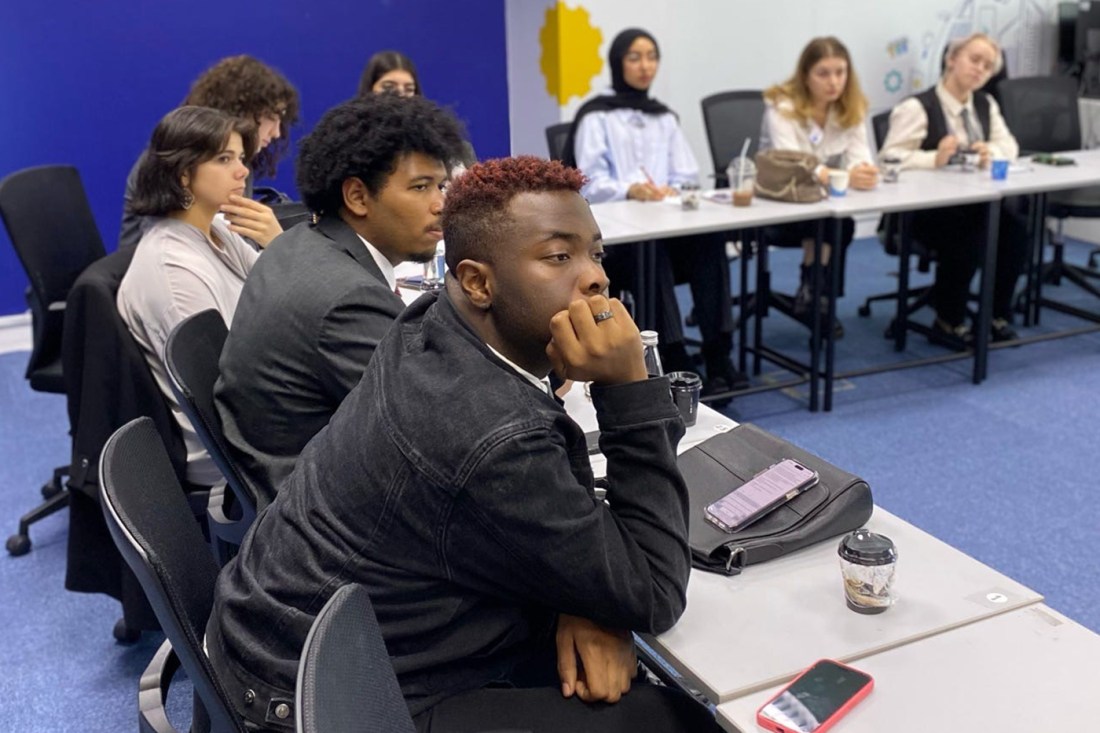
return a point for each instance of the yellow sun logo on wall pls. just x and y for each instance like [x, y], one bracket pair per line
[570, 52]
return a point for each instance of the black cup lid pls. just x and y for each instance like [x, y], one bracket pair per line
[864, 547]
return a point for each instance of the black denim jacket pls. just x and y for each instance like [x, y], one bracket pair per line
[462, 497]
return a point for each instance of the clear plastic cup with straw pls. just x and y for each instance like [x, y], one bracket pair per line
[742, 176]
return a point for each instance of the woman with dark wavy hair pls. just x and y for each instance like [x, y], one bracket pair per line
[244, 87]
[189, 259]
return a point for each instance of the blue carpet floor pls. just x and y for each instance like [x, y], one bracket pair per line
[1003, 471]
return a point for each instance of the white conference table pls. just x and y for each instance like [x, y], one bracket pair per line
[634, 221]
[626, 222]
[664, 219]
[757, 629]
[708, 423]
[1024, 671]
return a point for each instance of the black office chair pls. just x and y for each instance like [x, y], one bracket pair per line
[191, 356]
[889, 234]
[151, 523]
[346, 683]
[556, 137]
[51, 227]
[1042, 112]
[730, 118]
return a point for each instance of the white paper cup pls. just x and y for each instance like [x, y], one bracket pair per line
[838, 183]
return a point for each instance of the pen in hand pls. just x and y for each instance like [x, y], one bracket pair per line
[648, 191]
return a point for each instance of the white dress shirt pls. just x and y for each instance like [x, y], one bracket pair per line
[177, 272]
[909, 127]
[542, 385]
[615, 149]
[834, 145]
[383, 264]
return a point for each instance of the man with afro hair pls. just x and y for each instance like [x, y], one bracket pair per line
[454, 487]
[323, 295]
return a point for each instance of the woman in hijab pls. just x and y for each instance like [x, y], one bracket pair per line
[630, 146]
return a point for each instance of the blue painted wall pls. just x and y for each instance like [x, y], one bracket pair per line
[84, 83]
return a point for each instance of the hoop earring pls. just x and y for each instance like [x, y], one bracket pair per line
[188, 199]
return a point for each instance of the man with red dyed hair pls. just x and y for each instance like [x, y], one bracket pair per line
[452, 485]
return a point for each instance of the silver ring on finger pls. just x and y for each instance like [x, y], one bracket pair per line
[603, 316]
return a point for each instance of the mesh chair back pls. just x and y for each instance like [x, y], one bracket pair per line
[730, 117]
[880, 126]
[191, 356]
[346, 682]
[1042, 112]
[55, 236]
[152, 524]
[556, 137]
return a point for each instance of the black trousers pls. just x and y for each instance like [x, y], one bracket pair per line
[698, 260]
[956, 235]
[543, 709]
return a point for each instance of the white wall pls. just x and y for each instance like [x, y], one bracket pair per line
[715, 45]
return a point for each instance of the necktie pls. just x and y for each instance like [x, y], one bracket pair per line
[971, 136]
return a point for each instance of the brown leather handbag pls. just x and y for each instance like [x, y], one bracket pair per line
[788, 175]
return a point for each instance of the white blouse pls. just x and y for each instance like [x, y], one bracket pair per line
[909, 127]
[835, 146]
[177, 272]
[617, 148]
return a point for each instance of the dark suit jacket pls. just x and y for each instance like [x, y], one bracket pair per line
[310, 315]
[107, 384]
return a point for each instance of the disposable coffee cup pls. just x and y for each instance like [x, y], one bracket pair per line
[686, 387]
[891, 170]
[838, 183]
[689, 196]
[998, 169]
[867, 565]
[742, 180]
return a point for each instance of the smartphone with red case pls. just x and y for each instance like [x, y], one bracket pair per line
[816, 699]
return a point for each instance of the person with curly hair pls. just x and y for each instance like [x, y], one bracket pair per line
[322, 296]
[188, 259]
[247, 88]
[455, 488]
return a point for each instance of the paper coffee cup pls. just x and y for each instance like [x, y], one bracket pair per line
[838, 183]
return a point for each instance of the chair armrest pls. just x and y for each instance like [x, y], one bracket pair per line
[153, 691]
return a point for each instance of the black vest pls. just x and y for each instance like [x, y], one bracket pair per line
[937, 123]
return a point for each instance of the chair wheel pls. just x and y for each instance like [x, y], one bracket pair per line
[865, 311]
[124, 634]
[18, 544]
[50, 490]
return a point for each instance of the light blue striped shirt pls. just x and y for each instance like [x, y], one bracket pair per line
[612, 148]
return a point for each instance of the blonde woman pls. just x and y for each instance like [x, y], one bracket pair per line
[930, 130]
[820, 109]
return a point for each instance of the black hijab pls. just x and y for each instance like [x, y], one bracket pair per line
[625, 96]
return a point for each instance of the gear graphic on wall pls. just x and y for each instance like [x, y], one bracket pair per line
[893, 80]
[570, 52]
